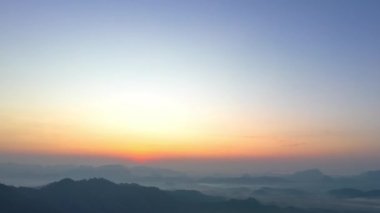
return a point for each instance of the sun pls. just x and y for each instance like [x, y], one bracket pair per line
[145, 111]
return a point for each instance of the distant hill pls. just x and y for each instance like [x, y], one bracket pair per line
[310, 175]
[269, 191]
[103, 196]
[354, 193]
[245, 179]
[34, 175]
[371, 175]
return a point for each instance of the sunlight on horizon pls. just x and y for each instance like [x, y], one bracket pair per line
[202, 79]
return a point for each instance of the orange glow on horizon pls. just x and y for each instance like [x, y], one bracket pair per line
[142, 151]
[144, 128]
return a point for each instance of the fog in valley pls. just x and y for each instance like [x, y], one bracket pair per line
[303, 189]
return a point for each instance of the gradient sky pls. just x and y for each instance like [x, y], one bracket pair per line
[181, 80]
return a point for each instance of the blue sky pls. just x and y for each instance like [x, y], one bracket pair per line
[281, 68]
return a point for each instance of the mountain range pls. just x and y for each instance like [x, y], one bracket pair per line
[102, 196]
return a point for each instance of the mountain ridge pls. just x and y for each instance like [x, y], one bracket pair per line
[98, 195]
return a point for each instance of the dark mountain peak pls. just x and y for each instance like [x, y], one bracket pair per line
[65, 181]
[97, 181]
[69, 183]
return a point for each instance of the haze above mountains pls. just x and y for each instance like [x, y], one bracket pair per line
[100, 195]
[308, 189]
[34, 175]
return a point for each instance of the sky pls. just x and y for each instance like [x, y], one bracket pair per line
[258, 84]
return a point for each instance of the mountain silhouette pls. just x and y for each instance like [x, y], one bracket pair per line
[269, 191]
[354, 193]
[245, 179]
[310, 175]
[371, 175]
[102, 196]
